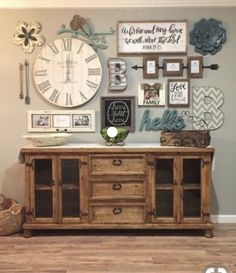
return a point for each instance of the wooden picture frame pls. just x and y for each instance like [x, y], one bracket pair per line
[178, 93]
[150, 67]
[152, 37]
[172, 67]
[151, 94]
[61, 121]
[195, 67]
[118, 112]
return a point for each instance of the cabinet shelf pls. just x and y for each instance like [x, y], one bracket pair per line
[164, 187]
[43, 187]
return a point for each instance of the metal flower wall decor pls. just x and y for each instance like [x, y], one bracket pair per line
[80, 26]
[27, 35]
[208, 36]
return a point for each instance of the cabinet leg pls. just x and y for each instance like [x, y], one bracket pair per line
[27, 233]
[209, 233]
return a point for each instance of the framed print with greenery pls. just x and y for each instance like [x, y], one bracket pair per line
[172, 67]
[178, 93]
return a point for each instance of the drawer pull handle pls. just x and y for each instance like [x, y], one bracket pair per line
[116, 187]
[117, 210]
[117, 162]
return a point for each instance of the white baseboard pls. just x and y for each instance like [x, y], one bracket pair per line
[221, 219]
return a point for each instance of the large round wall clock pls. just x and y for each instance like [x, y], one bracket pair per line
[67, 72]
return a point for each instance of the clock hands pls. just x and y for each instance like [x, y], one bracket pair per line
[68, 62]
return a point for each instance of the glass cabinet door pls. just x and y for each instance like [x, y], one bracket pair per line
[191, 183]
[43, 187]
[70, 187]
[164, 188]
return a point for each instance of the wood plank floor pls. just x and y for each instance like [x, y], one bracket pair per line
[118, 252]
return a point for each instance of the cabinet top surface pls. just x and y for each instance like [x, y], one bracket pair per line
[102, 148]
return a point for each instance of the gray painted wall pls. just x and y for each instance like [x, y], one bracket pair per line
[13, 111]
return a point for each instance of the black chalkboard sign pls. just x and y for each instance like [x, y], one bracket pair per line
[118, 112]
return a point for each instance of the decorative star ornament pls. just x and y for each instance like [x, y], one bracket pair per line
[27, 35]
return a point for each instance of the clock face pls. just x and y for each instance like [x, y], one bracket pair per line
[67, 72]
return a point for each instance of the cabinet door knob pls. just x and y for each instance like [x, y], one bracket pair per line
[116, 187]
[117, 210]
[117, 162]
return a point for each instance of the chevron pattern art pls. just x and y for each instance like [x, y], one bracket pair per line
[207, 102]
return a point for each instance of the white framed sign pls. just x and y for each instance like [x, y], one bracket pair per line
[142, 37]
[61, 121]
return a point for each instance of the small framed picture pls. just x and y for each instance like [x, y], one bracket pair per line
[82, 120]
[178, 93]
[151, 94]
[172, 67]
[195, 67]
[61, 121]
[150, 67]
[40, 121]
[118, 112]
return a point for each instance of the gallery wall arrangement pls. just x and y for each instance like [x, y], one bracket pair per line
[68, 72]
[158, 76]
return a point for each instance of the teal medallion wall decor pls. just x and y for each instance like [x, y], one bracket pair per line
[208, 36]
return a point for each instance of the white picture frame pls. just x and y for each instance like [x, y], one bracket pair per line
[61, 121]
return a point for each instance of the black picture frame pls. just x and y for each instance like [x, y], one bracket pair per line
[118, 112]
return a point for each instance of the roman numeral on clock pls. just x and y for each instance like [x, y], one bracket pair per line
[44, 59]
[44, 86]
[92, 85]
[68, 99]
[54, 96]
[80, 48]
[83, 97]
[40, 72]
[90, 58]
[94, 71]
[53, 47]
[67, 44]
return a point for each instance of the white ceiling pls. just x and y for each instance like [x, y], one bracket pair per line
[113, 3]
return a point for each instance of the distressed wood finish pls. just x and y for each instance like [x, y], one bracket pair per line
[190, 138]
[119, 188]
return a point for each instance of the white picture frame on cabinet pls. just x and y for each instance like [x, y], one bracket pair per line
[61, 121]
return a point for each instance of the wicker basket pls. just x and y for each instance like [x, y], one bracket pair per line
[10, 216]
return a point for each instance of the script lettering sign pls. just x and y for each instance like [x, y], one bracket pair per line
[152, 37]
[118, 112]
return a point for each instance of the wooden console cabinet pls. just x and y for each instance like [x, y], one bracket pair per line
[136, 186]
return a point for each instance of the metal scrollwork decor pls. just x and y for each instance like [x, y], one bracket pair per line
[79, 26]
[27, 35]
[208, 36]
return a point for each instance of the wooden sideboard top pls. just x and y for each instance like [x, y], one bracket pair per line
[102, 148]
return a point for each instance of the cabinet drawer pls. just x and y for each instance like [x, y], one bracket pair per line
[117, 213]
[117, 164]
[111, 189]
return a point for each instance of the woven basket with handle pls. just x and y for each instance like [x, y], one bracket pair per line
[10, 216]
